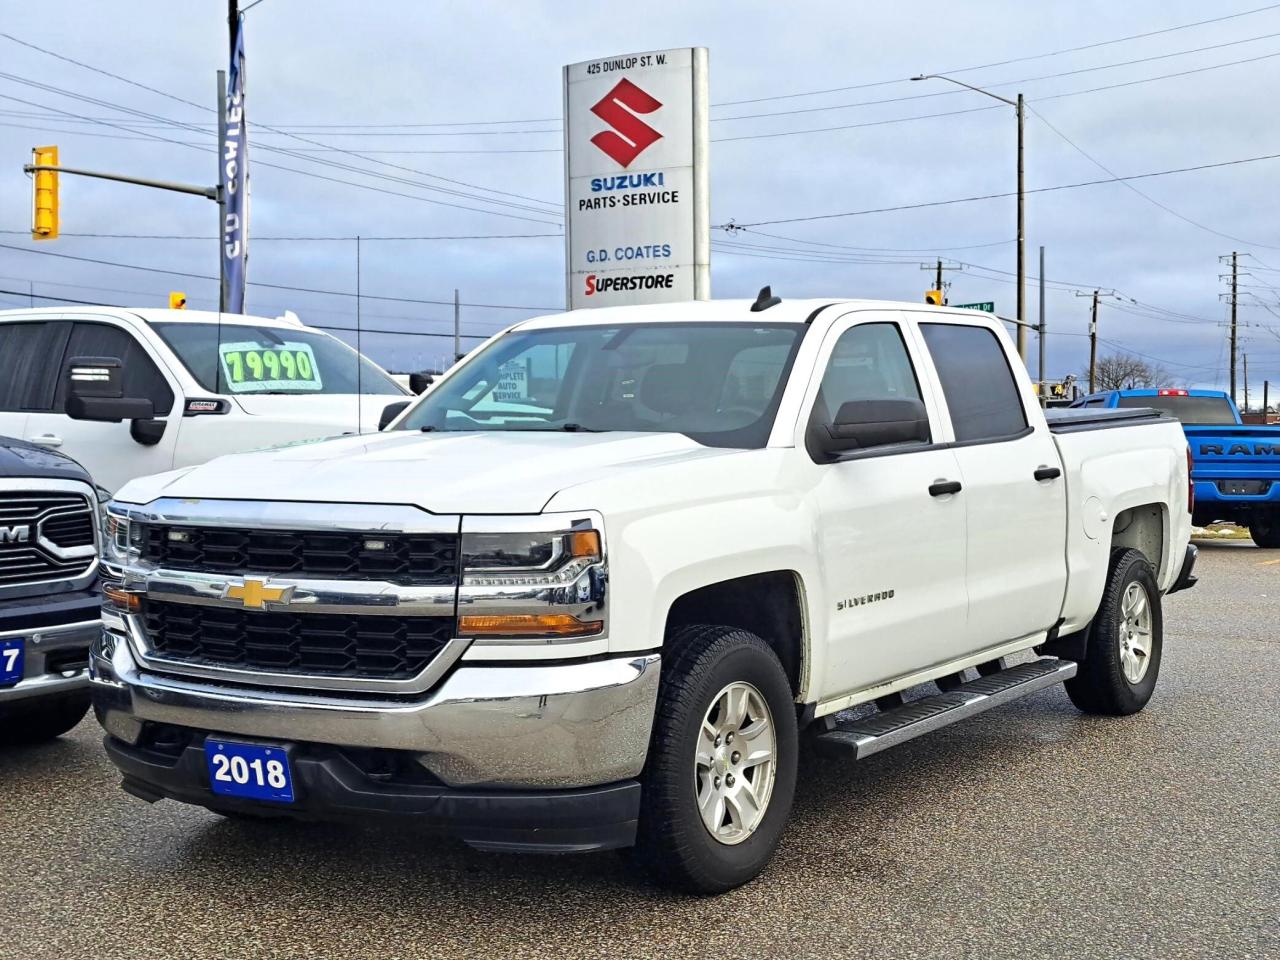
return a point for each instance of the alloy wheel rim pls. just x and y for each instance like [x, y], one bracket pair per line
[1134, 633]
[735, 763]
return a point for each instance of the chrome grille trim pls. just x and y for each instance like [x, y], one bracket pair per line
[56, 555]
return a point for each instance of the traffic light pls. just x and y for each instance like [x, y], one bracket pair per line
[933, 298]
[44, 194]
[177, 300]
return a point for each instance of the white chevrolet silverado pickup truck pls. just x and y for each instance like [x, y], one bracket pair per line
[592, 589]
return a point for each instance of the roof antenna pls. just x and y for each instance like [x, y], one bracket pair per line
[764, 300]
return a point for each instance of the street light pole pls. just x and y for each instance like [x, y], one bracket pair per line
[1022, 258]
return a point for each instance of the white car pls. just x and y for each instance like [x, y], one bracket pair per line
[591, 589]
[216, 384]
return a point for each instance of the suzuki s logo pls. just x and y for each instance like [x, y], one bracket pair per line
[255, 594]
[20, 534]
[630, 135]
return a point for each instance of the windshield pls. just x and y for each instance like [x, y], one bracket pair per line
[1194, 410]
[252, 359]
[719, 384]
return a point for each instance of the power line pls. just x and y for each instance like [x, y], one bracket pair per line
[1004, 63]
[1003, 83]
[1150, 199]
[953, 113]
[311, 173]
[200, 106]
[318, 326]
[164, 236]
[334, 164]
[998, 196]
[272, 286]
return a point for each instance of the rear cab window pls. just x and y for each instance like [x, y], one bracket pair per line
[977, 382]
[1203, 411]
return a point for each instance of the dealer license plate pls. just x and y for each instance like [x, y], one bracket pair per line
[11, 656]
[253, 771]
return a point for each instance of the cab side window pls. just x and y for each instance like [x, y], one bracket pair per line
[869, 362]
[976, 379]
[30, 379]
[141, 377]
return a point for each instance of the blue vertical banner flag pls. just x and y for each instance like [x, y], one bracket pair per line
[235, 180]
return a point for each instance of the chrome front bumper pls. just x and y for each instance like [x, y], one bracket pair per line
[42, 645]
[563, 725]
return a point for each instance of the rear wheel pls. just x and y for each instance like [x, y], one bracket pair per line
[1265, 530]
[27, 722]
[1122, 651]
[721, 772]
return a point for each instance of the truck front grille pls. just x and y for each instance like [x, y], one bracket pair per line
[45, 536]
[408, 558]
[311, 644]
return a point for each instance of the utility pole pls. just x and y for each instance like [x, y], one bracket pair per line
[1022, 249]
[1266, 399]
[221, 197]
[1093, 341]
[1233, 325]
[1246, 383]
[457, 327]
[1044, 398]
[1022, 259]
[937, 269]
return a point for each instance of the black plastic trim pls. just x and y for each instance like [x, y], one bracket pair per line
[328, 786]
[1186, 576]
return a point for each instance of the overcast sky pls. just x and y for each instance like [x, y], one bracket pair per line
[316, 65]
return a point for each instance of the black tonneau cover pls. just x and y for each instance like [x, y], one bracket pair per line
[1079, 419]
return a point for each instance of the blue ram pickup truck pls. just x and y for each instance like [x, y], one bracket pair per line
[1235, 468]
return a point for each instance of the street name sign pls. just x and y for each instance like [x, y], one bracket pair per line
[986, 306]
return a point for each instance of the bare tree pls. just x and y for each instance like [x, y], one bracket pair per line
[1124, 371]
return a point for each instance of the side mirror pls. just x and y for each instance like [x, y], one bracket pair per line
[94, 392]
[418, 382]
[864, 424]
[390, 412]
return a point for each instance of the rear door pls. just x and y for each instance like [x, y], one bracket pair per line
[108, 450]
[892, 554]
[1013, 491]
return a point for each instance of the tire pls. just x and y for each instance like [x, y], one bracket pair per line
[673, 842]
[41, 720]
[1265, 531]
[1113, 680]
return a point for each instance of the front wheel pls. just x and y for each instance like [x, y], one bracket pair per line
[1122, 652]
[1265, 530]
[28, 722]
[721, 772]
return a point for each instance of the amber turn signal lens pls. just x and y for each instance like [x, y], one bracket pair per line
[528, 625]
[584, 544]
[121, 599]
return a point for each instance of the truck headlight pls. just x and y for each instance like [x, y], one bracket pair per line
[532, 585]
[121, 541]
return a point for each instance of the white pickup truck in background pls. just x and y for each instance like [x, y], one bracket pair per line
[215, 384]
[592, 588]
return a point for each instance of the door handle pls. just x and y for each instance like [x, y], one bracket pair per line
[47, 440]
[1047, 473]
[942, 487]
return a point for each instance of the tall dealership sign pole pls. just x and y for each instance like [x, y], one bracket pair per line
[637, 179]
[233, 178]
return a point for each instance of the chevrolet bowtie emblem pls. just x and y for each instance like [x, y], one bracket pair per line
[256, 594]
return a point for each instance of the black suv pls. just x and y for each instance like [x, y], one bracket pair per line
[49, 601]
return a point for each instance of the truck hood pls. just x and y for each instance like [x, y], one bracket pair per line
[444, 472]
[339, 410]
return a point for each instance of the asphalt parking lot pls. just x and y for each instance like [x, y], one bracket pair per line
[1031, 831]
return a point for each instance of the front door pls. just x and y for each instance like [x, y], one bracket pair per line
[892, 554]
[108, 450]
